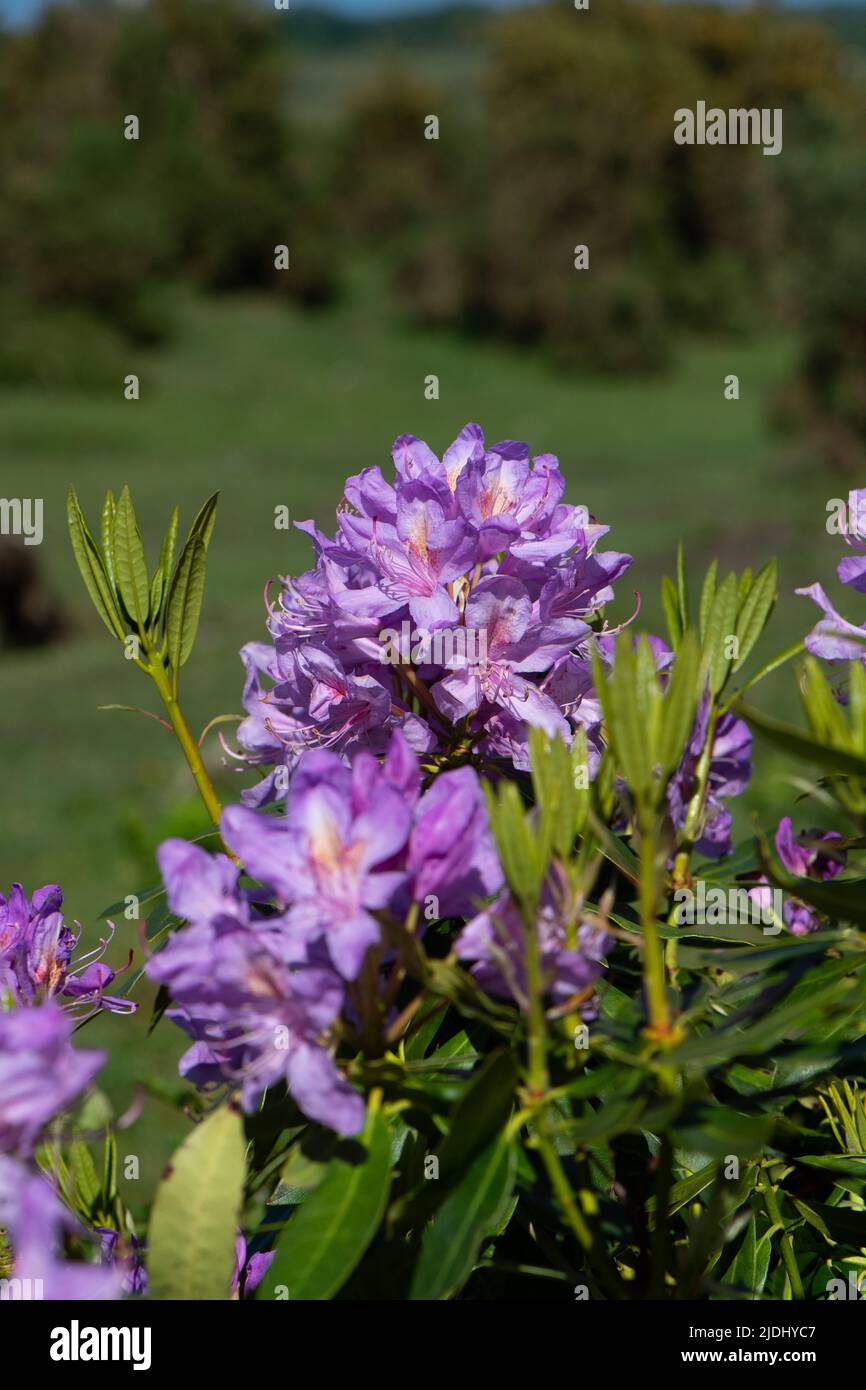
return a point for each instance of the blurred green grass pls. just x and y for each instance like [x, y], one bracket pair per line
[274, 407]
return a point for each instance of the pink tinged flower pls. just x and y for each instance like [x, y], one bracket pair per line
[571, 960]
[833, 637]
[423, 555]
[41, 1074]
[500, 611]
[452, 855]
[852, 570]
[325, 859]
[36, 1219]
[36, 954]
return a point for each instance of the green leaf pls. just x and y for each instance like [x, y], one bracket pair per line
[671, 608]
[680, 704]
[185, 600]
[162, 575]
[755, 611]
[708, 594]
[87, 1187]
[92, 567]
[852, 1166]
[202, 527]
[326, 1238]
[801, 745]
[682, 588]
[130, 563]
[471, 1212]
[719, 628]
[743, 1272]
[619, 699]
[109, 511]
[193, 1225]
[479, 1116]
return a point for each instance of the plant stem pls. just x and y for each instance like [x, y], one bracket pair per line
[696, 806]
[559, 1183]
[190, 748]
[653, 961]
[786, 1244]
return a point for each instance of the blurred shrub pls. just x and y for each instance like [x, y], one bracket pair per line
[826, 399]
[97, 223]
[574, 145]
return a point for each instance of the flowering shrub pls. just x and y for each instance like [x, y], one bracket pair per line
[450, 1031]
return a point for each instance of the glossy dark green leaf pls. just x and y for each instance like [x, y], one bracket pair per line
[471, 1212]
[327, 1236]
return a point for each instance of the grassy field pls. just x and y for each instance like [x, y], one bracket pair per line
[272, 407]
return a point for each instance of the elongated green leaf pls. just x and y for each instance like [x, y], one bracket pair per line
[325, 1240]
[82, 1170]
[203, 525]
[823, 711]
[708, 594]
[130, 563]
[685, 1190]
[755, 611]
[185, 600]
[680, 704]
[800, 744]
[671, 608]
[479, 1117]
[92, 567]
[109, 510]
[743, 1272]
[162, 574]
[471, 1212]
[720, 628]
[852, 1165]
[626, 737]
[191, 1239]
[682, 588]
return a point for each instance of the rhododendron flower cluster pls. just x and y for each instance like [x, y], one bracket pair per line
[36, 955]
[571, 952]
[41, 1075]
[833, 637]
[257, 989]
[442, 929]
[478, 546]
[816, 854]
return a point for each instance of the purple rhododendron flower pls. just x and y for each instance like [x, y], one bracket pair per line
[40, 1072]
[36, 1220]
[572, 957]
[833, 638]
[258, 987]
[730, 770]
[852, 570]
[811, 854]
[253, 1269]
[356, 840]
[249, 993]
[477, 549]
[36, 954]
[130, 1267]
